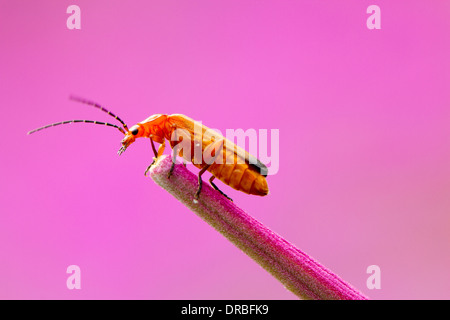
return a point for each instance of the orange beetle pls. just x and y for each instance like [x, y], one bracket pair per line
[227, 162]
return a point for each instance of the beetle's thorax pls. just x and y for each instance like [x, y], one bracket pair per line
[154, 127]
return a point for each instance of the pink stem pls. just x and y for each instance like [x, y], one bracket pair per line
[297, 271]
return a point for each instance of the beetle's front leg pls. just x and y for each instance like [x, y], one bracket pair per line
[157, 154]
[174, 154]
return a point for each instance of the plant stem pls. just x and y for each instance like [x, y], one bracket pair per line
[297, 271]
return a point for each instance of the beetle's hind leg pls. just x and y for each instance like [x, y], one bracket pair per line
[216, 188]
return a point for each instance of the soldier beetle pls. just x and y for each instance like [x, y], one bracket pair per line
[225, 161]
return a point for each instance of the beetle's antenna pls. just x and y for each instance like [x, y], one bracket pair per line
[96, 105]
[76, 121]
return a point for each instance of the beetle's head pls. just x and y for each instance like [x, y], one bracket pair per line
[135, 131]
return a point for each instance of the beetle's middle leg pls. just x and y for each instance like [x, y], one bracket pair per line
[217, 147]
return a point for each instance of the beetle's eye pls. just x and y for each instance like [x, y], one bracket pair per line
[135, 131]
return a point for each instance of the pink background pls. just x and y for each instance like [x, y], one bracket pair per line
[364, 120]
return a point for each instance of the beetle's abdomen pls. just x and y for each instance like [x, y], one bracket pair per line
[241, 177]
